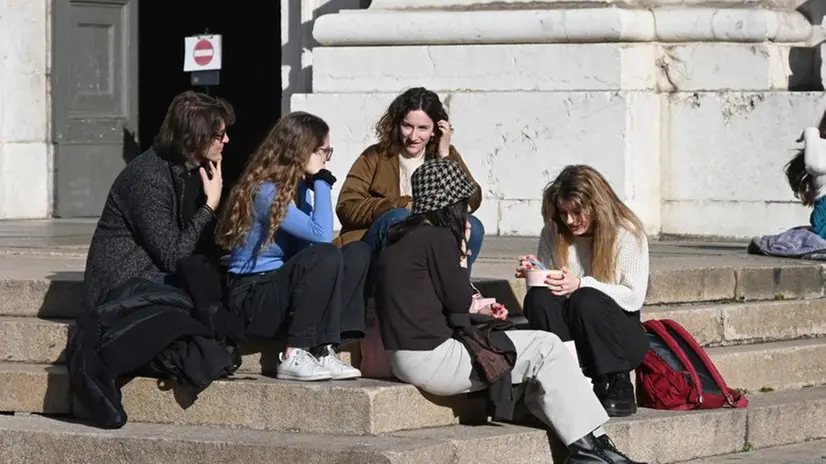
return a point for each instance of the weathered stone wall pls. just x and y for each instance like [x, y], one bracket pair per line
[687, 111]
[25, 108]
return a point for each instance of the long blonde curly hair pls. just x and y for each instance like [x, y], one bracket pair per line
[585, 190]
[281, 158]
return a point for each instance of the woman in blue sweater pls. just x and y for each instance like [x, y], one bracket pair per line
[285, 276]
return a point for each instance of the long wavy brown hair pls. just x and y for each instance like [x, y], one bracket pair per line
[583, 189]
[801, 182]
[388, 129]
[281, 159]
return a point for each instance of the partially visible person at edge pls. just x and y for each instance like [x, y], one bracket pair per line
[162, 206]
[285, 275]
[423, 300]
[806, 173]
[601, 248]
[377, 192]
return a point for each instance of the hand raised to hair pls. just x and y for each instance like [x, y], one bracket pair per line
[446, 132]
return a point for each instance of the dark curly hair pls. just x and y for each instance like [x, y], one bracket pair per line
[799, 179]
[418, 98]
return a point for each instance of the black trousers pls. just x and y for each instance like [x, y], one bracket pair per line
[316, 298]
[608, 339]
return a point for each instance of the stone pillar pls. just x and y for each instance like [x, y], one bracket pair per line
[685, 108]
[25, 148]
[297, 42]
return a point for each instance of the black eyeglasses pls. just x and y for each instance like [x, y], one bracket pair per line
[327, 151]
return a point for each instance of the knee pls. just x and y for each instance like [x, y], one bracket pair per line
[380, 226]
[477, 229]
[327, 254]
[586, 302]
[394, 215]
[357, 252]
[538, 297]
[356, 249]
[549, 342]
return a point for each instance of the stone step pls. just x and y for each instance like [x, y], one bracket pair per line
[813, 452]
[772, 366]
[719, 324]
[727, 283]
[50, 285]
[771, 420]
[42, 285]
[43, 341]
[360, 407]
[364, 406]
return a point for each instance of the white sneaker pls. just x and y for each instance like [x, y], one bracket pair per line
[301, 365]
[340, 369]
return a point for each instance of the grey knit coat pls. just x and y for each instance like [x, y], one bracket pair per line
[141, 232]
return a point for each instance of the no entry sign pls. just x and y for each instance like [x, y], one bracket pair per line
[202, 53]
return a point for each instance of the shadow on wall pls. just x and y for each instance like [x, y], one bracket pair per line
[299, 37]
[805, 62]
[131, 149]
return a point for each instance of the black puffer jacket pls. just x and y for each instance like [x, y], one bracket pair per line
[143, 326]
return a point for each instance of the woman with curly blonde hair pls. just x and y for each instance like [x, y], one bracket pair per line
[284, 273]
[600, 249]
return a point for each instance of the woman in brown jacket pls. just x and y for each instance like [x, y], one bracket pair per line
[376, 193]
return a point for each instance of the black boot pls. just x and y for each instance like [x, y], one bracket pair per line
[592, 450]
[600, 386]
[619, 396]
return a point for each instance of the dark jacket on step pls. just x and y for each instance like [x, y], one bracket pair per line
[155, 215]
[142, 327]
[494, 356]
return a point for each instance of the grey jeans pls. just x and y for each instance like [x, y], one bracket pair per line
[556, 392]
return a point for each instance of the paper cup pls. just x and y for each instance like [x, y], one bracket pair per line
[537, 277]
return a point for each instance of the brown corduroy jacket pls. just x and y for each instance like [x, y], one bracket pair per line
[372, 188]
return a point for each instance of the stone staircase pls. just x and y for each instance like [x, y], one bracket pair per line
[761, 319]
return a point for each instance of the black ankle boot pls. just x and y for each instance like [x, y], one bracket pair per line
[619, 396]
[592, 450]
[600, 386]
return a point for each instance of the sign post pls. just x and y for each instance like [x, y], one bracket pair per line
[202, 59]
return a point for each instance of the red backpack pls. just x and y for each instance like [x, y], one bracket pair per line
[676, 374]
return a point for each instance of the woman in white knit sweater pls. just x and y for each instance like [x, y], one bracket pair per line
[602, 250]
[806, 174]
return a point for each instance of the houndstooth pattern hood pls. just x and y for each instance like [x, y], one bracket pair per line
[439, 183]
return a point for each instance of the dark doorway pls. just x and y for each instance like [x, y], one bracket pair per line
[250, 75]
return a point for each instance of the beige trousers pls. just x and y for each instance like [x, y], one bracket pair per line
[556, 392]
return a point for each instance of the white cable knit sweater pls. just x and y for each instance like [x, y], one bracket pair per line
[814, 155]
[631, 273]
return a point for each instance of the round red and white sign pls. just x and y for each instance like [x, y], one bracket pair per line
[203, 52]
